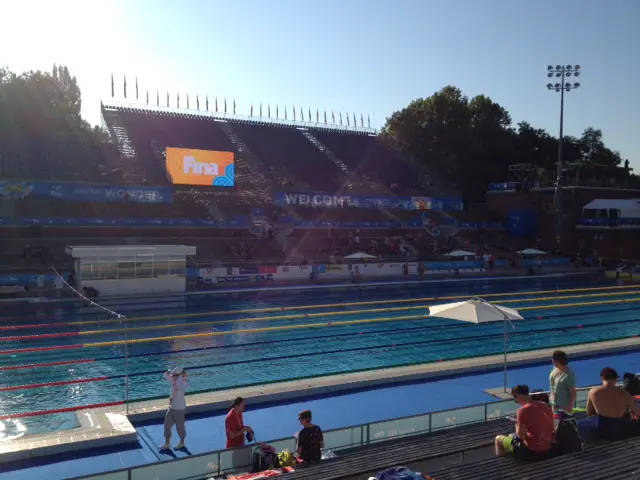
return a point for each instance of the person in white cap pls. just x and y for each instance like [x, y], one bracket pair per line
[177, 407]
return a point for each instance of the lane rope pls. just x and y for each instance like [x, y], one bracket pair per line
[279, 341]
[277, 318]
[312, 307]
[385, 346]
[296, 327]
[62, 410]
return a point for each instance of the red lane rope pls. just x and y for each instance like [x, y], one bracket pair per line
[47, 364]
[34, 325]
[39, 337]
[52, 384]
[40, 349]
[61, 410]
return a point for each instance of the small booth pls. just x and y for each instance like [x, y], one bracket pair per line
[131, 270]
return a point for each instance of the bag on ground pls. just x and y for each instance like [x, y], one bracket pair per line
[264, 458]
[567, 438]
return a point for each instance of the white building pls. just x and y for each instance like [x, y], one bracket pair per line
[130, 270]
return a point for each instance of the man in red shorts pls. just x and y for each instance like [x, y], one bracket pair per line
[534, 429]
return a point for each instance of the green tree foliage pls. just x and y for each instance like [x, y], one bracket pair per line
[43, 107]
[471, 142]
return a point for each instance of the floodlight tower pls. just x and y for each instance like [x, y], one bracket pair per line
[564, 74]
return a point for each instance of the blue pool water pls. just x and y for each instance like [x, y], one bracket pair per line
[235, 358]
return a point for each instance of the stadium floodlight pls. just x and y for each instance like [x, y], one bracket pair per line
[563, 74]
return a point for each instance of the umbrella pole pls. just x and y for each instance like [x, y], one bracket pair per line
[505, 354]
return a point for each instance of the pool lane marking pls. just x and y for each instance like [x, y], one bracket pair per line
[276, 318]
[315, 337]
[386, 346]
[288, 327]
[61, 410]
[320, 306]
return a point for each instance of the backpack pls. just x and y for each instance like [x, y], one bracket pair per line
[567, 438]
[398, 473]
[631, 384]
[264, 459]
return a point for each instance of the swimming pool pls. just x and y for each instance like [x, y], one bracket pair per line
[248, 338]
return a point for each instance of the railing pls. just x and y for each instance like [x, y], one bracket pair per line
[217, 463]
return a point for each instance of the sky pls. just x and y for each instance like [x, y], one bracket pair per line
[369, 57]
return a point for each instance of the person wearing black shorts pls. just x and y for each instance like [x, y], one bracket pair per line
[534, 429]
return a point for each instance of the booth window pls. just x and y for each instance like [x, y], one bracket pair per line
[90, 269]
[144, 266]
[126, 267]
[178, 265]
[161, 265]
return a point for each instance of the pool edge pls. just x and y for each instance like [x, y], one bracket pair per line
[114, 425]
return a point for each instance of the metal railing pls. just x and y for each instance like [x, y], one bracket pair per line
[217, 463]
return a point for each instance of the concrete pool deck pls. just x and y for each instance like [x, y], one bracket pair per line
[113, 425]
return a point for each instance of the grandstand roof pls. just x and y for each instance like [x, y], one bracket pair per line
[628, 207]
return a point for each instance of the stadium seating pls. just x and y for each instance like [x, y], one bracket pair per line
[285, 148]
[71, 161]
[365, 155]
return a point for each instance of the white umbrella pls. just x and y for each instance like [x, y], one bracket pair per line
[477, 310]
[531, 251]
[459, 253]
[358, 255]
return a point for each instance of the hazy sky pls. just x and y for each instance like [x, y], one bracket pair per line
[370, 57]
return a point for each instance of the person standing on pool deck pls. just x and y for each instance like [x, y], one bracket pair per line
[234, 424]
[563, 383]
[177, 407]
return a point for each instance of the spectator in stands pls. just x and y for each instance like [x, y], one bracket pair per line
[563, 383]
[177, 407]
[355, 275]
[58, 284]
[534, 429]
[234, 425]
[310, 439]
[40, 282]
[611, 406]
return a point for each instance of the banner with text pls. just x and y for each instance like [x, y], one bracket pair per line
[235, 222]
[321, 200]
[85, 192]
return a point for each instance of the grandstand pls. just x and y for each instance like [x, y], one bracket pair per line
[270, 158]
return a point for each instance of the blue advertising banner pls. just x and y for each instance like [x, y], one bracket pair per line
[127, 222]
[522, 223]
[478, 225]
[510, 186]
[85, 192]
[366, 201]
[29, 279]
[609, 222]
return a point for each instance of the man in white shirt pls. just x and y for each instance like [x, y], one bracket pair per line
[177, 407]
[58, 284]
[40, 282]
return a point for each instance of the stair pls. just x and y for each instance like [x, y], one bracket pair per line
[251, 169]
[214, 211]
[354, 181]
[132, 172]
[118, 132]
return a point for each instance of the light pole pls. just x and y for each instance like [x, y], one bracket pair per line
[564, 74]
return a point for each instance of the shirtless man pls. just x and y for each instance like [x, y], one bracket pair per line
[611, 405]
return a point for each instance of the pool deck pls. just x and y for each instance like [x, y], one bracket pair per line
[113, 425]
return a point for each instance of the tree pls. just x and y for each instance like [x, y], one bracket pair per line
[70, 97]
[44, 107]
[470, 143]
[461, 141]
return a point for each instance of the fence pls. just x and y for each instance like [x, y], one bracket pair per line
[217, 463]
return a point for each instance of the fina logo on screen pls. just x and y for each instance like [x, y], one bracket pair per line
[193, 167]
